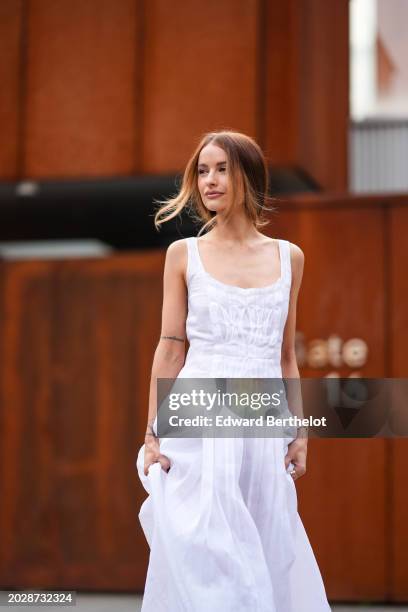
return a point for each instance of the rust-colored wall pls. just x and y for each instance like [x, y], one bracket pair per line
[117, 88]
[354, 498]
[397, 247]
[343, 498]
[279, 86]
[200, 75]
[77, 340]
[323, 105]
[11, 31]
[83, 88]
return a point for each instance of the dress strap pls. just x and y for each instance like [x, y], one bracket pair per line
[285, 260]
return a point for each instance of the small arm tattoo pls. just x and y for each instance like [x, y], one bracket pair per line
[173, 338]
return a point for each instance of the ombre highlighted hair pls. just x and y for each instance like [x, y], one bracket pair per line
[249, 180]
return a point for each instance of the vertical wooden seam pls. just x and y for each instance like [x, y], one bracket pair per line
[294, 84]
[261, 73]
[22, 91]
[389, 456]
[139, 84]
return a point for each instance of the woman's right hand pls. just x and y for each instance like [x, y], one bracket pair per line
[152, 455]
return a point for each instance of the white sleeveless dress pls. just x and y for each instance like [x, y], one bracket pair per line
[222, 525]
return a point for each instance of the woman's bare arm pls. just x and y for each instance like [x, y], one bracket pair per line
[288, 343]
[290, 368]
[169, 355]
[297, 449]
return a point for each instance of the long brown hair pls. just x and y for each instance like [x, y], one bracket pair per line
[247, 170]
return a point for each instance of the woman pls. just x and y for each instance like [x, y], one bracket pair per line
[221, 517]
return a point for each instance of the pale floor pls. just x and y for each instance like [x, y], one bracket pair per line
[132, 603]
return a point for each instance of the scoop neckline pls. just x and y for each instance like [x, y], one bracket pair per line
[236, 287]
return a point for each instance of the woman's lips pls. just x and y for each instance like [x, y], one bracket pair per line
[212, 196]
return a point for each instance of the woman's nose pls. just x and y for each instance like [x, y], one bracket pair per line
[211, 177]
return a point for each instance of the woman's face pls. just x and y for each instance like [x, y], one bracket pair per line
[213, 178]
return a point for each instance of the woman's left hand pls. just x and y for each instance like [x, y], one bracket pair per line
[297, 452]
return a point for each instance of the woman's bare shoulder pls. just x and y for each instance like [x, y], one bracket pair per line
[177, 248]
[296, 253]
[297, 260]
[176, 256]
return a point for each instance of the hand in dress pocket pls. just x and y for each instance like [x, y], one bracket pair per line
[152, 455]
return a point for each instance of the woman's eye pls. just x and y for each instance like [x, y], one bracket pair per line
[204, 171]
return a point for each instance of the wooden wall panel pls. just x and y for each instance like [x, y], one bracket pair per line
[11, 24]
[279, 92]
[200, 75]
[344, 507]
[321, 34]
[340, 253]
[398, 355]
[344, 293]
[343, 498]
[398, 501]
[82, 80]
[77, 343]
[107, 88]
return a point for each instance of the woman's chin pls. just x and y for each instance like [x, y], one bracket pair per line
[217, 208]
